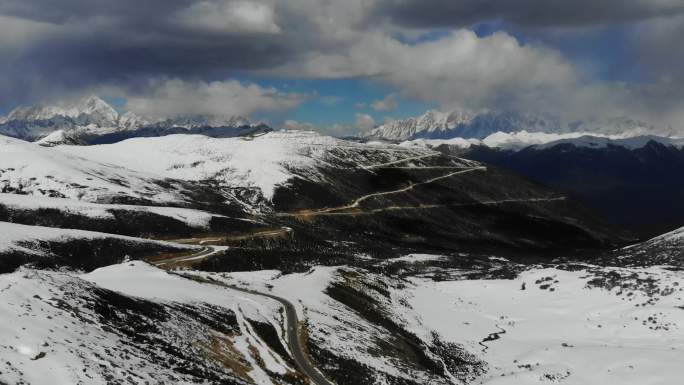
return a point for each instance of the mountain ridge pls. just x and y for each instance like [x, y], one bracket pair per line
[439, 125]
[87, 119]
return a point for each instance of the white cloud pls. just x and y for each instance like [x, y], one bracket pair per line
[230, 17]
[389, 103]
[219, 98]
[364, 122]
[299, 126]
[460, 69]
[15, 32]
[466, 72]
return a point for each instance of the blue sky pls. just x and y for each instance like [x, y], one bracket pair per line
[333, 102]
[336, 102]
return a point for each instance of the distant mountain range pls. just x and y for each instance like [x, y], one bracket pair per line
[631, 182]
[439, 125]
[94, 121]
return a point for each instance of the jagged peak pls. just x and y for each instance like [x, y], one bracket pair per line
[194, 121]
[91, 105]
[436, 124]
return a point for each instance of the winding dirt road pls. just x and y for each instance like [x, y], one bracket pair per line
[357, 202]
[204, 253]
[294, 335]
[294, 338]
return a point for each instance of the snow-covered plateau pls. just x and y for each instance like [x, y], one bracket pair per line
[291, 257]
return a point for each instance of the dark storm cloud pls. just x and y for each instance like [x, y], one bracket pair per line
[532, 13]
[125, 42]
[64, 11]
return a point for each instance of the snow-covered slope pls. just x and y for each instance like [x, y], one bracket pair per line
[193, 218]
[663, 249]
[55, 248]
[62, 329]
[553, 325]
[28, 168]
[584, 324]
[15, 237]
[138, 168]
[263, 162]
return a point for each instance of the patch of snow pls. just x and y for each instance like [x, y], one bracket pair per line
[53, 331]
[417, 258]
[32, 169]
[564, 331]
[456, 142]
[193, 218]
[11, 234]
[264, 162]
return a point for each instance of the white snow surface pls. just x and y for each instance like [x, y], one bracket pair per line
[194, 218]
[675, 235]
[11, 234]
[330, 324]
[264, 162]
[140, 279]
[261, 162]
[38, 170]
[674, 239]
[53, 138]
[574, 334]
[43, 341]
[570, 332]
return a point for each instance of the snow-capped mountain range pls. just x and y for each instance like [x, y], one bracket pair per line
[93, 117]
[439, 125]
[431, 123]
[515, 141]
[93, 107]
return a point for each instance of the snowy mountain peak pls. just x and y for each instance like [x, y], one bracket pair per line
[430, 122]
[91, 106]
[438, 125]
[95, 106]
[91, 118]
[131, 121]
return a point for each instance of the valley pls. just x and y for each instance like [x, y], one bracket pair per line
[296, 258]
